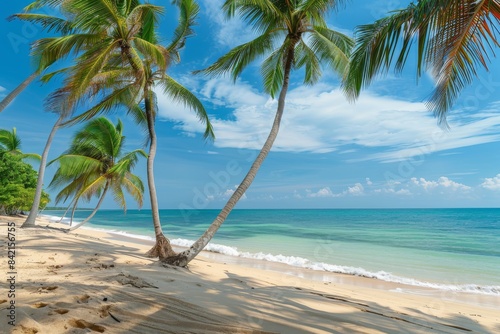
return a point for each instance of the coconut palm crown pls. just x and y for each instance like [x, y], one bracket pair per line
[96, 163]
[453, 38]
[291, 31]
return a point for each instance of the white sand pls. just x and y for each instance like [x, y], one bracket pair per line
[87, 281]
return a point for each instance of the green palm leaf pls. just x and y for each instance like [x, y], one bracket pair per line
[180, 94]
[453, 38]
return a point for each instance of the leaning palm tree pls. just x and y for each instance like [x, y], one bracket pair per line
[44, 60]
[305, 41]
[95, 164]
[126, 35]
[11, 143]
[453, 38]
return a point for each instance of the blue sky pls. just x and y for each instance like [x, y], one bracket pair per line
[386, 150]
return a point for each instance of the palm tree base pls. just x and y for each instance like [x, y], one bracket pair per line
[178, 260]
[29, 222]
[162, 248]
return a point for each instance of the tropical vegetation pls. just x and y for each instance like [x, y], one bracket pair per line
[119, 64]
[18, 182]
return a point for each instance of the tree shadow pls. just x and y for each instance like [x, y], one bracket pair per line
[79, 284]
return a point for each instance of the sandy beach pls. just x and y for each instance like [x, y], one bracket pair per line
[91, 281]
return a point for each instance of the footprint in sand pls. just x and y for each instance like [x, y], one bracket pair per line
[103, 266]
[28, 330]
[104, 312]
[80, 323]
[61, 311]
[83, 299]
[46, 289]
[40, 304]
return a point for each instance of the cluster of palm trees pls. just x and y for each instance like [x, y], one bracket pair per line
[118, 61]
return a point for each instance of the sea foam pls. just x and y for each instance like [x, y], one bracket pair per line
[355, 271]
[300, 262]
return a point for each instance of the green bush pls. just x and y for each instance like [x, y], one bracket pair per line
[17, 185]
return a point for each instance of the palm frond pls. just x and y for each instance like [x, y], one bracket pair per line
[118, 196]
[134, 187]
[273, 71]
[305, 56]
[181, 94]
[374, 52]
[332, 48]
[109, 103]
[154, 52]
[459, 48]
[239, 57]
[48, 50]
[50, 23]
[262, 15]
[453, 38]
[189, 10]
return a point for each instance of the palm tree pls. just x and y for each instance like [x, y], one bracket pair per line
[305, 42]
[11, 143]
[453, 39]
[115, 31]
[95, 164]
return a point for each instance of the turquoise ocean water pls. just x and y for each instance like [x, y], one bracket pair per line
[449, 249]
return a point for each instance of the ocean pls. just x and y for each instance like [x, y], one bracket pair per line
[445, 249]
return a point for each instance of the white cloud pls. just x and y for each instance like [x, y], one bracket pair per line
[319, 119]
[368, 181]
[423, 183]
[2, 89]
[492, 183]
[442, 183]
[324, 192]
[229, 32]
[223, 92]
[356, 190]
[447, 183]
[212, 152]
[229, 192]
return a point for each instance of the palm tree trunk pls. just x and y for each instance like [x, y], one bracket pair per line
[162, 248]
[73, 213]
[30, 221]
[12, 95]
[183, 258]
[93, 212]
[65, 212]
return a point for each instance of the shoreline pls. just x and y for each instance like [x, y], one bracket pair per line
[243, 297]
[302, 266]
